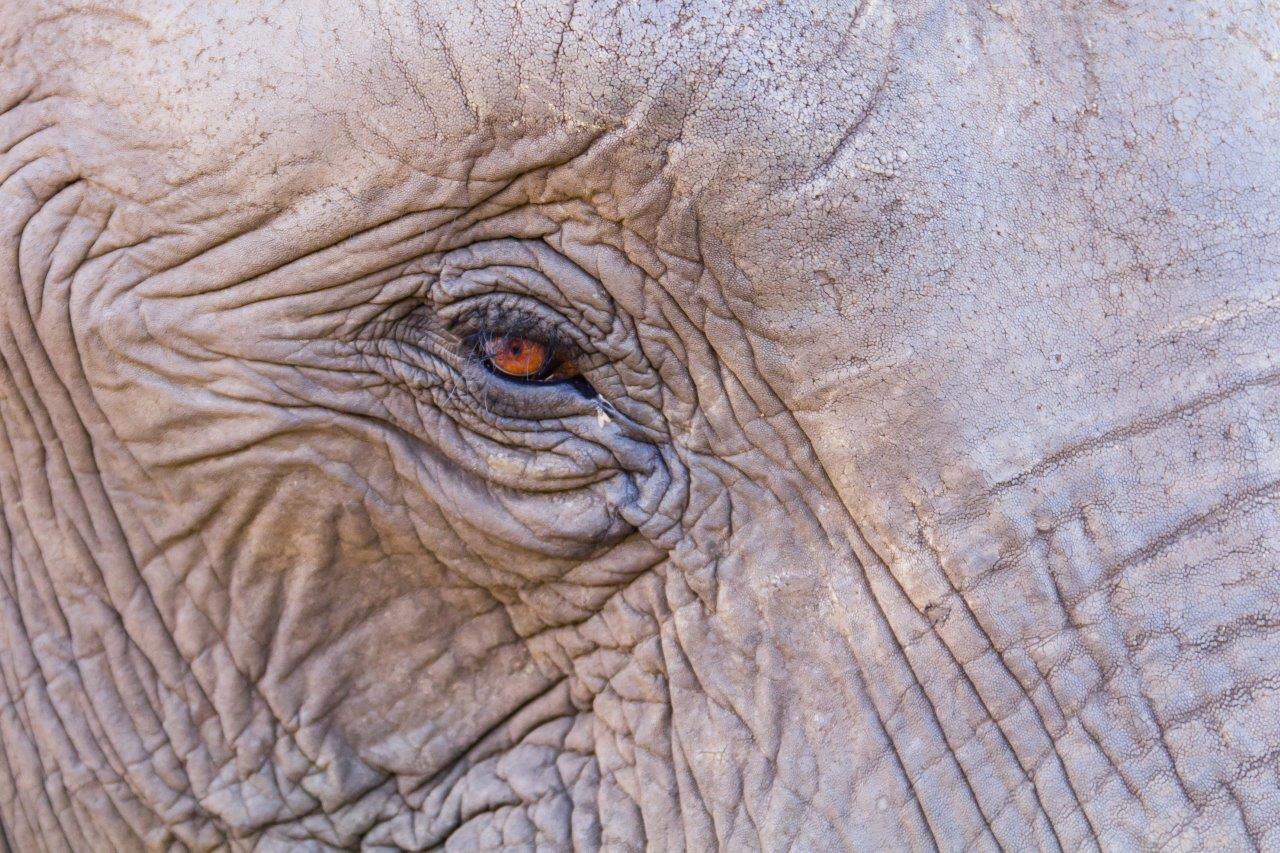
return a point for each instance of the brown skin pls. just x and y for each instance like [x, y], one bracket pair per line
[929, 498]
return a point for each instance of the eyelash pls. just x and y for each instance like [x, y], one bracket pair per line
[494, 323]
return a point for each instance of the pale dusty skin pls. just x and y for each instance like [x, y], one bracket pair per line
[928, 497]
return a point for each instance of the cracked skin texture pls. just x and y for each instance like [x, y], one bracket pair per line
[934, 504]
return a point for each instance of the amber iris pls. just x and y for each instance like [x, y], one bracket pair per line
[522, 358]
[528, 359]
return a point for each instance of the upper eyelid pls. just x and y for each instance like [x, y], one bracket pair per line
[523, 320]
[525, 268]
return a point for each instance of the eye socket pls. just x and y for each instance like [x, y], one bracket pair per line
[527, 359]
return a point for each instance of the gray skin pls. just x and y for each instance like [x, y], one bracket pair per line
[929, 498]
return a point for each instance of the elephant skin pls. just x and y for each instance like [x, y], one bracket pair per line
[918, 490]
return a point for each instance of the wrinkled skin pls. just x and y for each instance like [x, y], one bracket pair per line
[929, 498]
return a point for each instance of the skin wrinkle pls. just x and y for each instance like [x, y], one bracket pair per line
[232, 739]
[916, 683]
[1132, 430]
[958, 597]
[48, 825]
[1131, 789]
[1169, 753]
[77, 542]
[54, 715]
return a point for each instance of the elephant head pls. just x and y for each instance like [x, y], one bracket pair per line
[668, 425]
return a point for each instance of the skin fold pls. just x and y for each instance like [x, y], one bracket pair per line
[920, 489]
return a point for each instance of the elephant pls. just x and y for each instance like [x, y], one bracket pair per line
[666, 425]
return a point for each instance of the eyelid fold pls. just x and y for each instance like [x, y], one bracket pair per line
[531, 269]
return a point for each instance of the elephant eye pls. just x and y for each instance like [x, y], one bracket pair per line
[527, 359]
